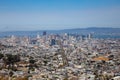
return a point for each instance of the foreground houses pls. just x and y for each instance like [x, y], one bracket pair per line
[59, 57]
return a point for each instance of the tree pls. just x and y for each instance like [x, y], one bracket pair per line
[11, 73]
[1, 56]
[31, 61]
[16, 58]
[32, 64]
[10, 60]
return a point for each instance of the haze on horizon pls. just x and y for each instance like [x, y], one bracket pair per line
[58, 14]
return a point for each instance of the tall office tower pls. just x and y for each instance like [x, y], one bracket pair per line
[53, 42]
[53, 37]
[89, 36]
[44, 36]
[38, 39]
[44, 33]
[82, 37]
[58, 42]
[38, 36]
[12, 37]
[65, 36]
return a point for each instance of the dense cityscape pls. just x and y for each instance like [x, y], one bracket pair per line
[59, 39]
[59, 57]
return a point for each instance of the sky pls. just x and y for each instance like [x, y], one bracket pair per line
[58, 14]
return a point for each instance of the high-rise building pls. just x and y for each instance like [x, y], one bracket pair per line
[53, 42]
[82, 37]
[38, 36]
[44, 33]
[89, 36]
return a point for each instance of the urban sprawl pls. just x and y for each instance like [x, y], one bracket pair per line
[59, 57]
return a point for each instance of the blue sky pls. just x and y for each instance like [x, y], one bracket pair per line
[58, 14]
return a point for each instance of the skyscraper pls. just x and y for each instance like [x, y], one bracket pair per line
[44, 33]
[53, 42]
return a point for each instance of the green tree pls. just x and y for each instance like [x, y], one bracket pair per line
[32, 63]
[11, 60]
[1, 55]
[11, 73]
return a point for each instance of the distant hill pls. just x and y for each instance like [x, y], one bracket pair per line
[93, 29]
[106, 32]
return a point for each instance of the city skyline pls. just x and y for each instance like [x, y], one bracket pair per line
[58, 14]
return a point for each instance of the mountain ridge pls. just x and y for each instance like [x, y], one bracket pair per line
[89, 28]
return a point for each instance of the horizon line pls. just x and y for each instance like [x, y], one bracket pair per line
[62, 29]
